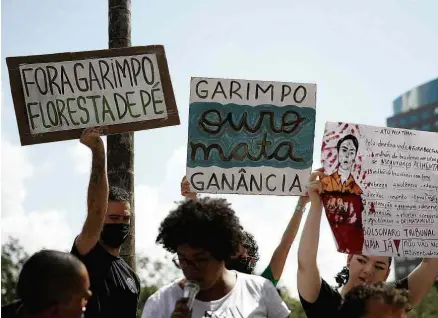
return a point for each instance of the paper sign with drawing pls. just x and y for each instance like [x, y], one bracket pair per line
[381, 189]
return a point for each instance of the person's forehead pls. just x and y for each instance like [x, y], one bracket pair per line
[186, 250]
[378, 259]
[348, 144]
[83, 281]
[118, 208]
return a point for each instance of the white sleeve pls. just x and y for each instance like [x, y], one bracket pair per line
[152, 308]
[276, 307]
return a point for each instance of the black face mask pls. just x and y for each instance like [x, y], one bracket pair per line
[242, 265]
[114, 234]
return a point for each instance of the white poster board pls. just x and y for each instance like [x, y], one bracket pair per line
[94, 92]
[381, 190]
[56, 96]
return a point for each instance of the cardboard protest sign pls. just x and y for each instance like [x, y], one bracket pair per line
[56, 96]
[250, 137]
[381, 190]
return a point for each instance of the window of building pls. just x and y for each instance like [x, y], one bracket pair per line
[427, 127]
[436, 110]
[424, 115]
[413, 118]
[392, 123]
[403, 121]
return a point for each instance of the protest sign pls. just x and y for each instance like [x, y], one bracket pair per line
[56, 96]
[250, 137]
[381, 190]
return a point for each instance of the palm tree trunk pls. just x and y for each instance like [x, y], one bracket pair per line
[120, 147]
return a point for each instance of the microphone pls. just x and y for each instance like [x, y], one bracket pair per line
[191, 289]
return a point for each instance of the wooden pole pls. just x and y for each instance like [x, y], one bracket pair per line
[120, 147]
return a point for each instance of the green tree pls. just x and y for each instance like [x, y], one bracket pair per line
[154, 274]
[428, 308]
[293, 304]
[13, 258]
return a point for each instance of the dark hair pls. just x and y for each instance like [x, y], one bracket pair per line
[247, 263]
[343, 276]
[348, 137]
[48, 277]
[118, 194]
[205, 223]
[354, 304]
[251, 246]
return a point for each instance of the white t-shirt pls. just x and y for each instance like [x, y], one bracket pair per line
[251, 297]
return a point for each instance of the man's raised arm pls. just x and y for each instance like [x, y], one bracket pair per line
[97, 199]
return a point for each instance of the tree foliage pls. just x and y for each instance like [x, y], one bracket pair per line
[13, 258]
[428, 308]
[293, 304]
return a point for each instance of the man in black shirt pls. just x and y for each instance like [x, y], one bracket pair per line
[51, 284]
[114, 284]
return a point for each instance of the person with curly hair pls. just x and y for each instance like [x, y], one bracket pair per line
[317, 297]
[378, 300]
[204, 234]
[248, 256]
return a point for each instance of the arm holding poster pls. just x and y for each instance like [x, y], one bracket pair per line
[97, 200]
[421, 280]
[309, 280]
[281, 252]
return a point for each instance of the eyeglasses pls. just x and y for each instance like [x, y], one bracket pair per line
[200, 264]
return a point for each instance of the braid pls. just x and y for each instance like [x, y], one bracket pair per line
[342, 277]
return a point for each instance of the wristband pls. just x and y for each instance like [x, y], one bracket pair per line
[299, 207]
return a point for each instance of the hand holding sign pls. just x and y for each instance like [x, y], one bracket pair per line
[185, 189]
[91, 138]
[314, 186]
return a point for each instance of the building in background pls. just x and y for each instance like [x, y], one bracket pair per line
[416, 109]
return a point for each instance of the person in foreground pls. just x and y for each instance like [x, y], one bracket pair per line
[205, 234]
[247, 257]
[51, 284]
[378, 300]
[115, 286]
[321, 300]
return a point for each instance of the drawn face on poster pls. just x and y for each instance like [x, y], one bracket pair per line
[343, 186]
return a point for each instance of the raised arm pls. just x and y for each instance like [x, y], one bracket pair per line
[309, 281]
[97, 200]
[281, 252]
[421, 280]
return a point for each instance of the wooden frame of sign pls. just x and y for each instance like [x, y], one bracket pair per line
[17, 90]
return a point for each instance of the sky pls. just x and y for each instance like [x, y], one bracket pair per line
[361, 55]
